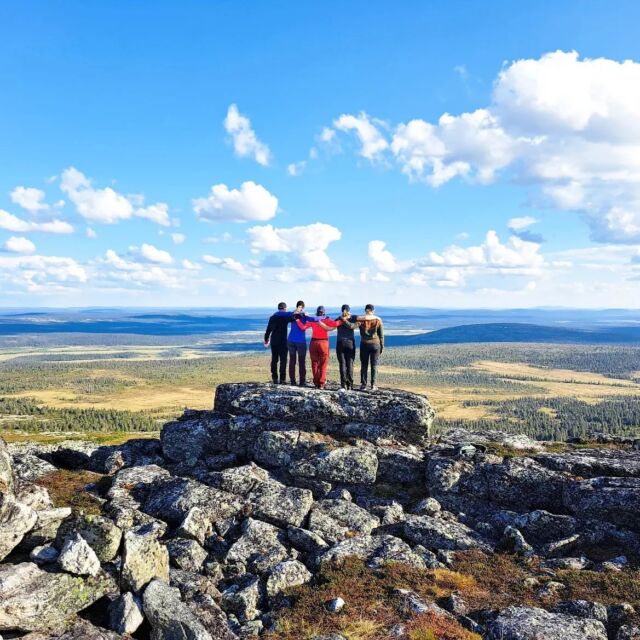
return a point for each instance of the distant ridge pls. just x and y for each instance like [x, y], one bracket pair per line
[520, 332]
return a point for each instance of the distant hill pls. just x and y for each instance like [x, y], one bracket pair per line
[520, 332]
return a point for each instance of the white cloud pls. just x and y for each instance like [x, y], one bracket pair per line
[372, 142]
[190, 266]
[521, 223]
[90, 233]
[30, 199]
[158, 213]
[9, 222]
[296, 168]
[152, 254]
[41, 274]
[252, 202]
[245, 141]
[178, 238]
[327, 134]
[566, 125]
[382, 258]
[305, 246]
[230, 264]
[107, 206]
[19, 245]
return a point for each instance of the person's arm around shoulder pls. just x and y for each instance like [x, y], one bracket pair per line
[302, 325]
[268, 332]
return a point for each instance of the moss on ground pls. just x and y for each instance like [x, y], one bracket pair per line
[69, 489]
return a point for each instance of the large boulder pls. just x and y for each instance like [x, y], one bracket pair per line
[16, 520]
[31, 598]
[410, 414]
[99, 532]
[527, 623]
[335, 520]
[144, 559]
[374, 550]
[438, 533]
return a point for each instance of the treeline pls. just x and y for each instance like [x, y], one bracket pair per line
[556, 418]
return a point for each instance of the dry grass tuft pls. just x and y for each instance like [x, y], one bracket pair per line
[68, 489]
[431, 626]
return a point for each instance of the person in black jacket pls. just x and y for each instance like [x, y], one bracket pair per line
[346, 346]
[276, 336]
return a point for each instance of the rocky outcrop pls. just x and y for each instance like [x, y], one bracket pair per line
[206, 532]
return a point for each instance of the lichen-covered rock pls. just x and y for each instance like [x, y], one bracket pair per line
[243, 598]
[125, 613]
[280, 505]
[305, 540]
[196, 525]
[396, 465]
[46, 527]
[437, 533]
[286, 575]
[258, 539]
[32, 599]
[583, 609]
[16, 520]
[335, 520]
[171, 500]
[525, 623]
[592, 463]
[79, 629]
[616, 500]
[77, 557]
[409, 414]
[144, 559]
[172, 619]
[190, 440]
[186, 554]
[375, 550]
[130, 486]
[100, 533]
[351, 465]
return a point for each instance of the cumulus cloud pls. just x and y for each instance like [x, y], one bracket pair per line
[382, 258]
[17, 244]
[517, 224]
[567, 124]
[107, 206]
[245, 142]
[305, 246]
[41, 274]
[30, 199]
[9, 222]
[149, 253]
[372, 142]
[252, 202]
[190, 266]
[91, 234]
[230, 264]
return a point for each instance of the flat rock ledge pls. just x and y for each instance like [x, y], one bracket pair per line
[204, 532]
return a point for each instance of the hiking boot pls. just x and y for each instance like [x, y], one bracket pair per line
[374, 388]
[363, 387]
[293, 383]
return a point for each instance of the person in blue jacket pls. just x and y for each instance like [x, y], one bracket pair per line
[297, 346]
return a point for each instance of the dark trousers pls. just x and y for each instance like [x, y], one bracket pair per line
[346, 352]
[279, 361]
[369, 354]
[297, 353]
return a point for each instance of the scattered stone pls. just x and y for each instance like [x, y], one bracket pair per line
[125, 613]
[45, 554]
[335, 520]
[186, 554]
[78, 557]
[427, 507]
[143, 559]
[99, 533]
[195, 525]
[243, 598]
[335, 606]
[513, 541]
[436, 533]
[286, 575]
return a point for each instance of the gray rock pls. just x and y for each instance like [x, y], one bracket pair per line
[144, 559]
[591, 463]
[258, 541]
[78, 557]
[46, 528]
[397, 466]
[125, 613]
[525, 623]
[45, 554]
[195, 525]
[130, 486]
[191, 440]
[334, 520]
[427, 507]
[616, 500]
[280, 505]
[32, 599]
[16, 520]
[409, 414]
[238, 480]
[30, 467]
[374, 550]
[305, 540]
[628, 632]
[99, 532]
[513, 541]
[583, 609]
[186, 554]
[335, 606]
[172, 619]
[172, 500]
[276, 448]
[286, 575]
[79, 629]
[243, 598]
[437, 533]
[32, 495]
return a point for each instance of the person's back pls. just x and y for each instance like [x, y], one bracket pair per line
[371, 345]
[276, 336]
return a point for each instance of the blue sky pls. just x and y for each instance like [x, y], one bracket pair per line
[434, 154]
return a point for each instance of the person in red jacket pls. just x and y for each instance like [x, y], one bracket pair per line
[319, 349]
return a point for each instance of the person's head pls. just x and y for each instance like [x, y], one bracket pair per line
[369, 309]
[282, 306]
[300, 305]
[346, 310]
[320, 311]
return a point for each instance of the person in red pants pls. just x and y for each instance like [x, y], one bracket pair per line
[319, 349]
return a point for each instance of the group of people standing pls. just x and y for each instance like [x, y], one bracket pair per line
[286, 334]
